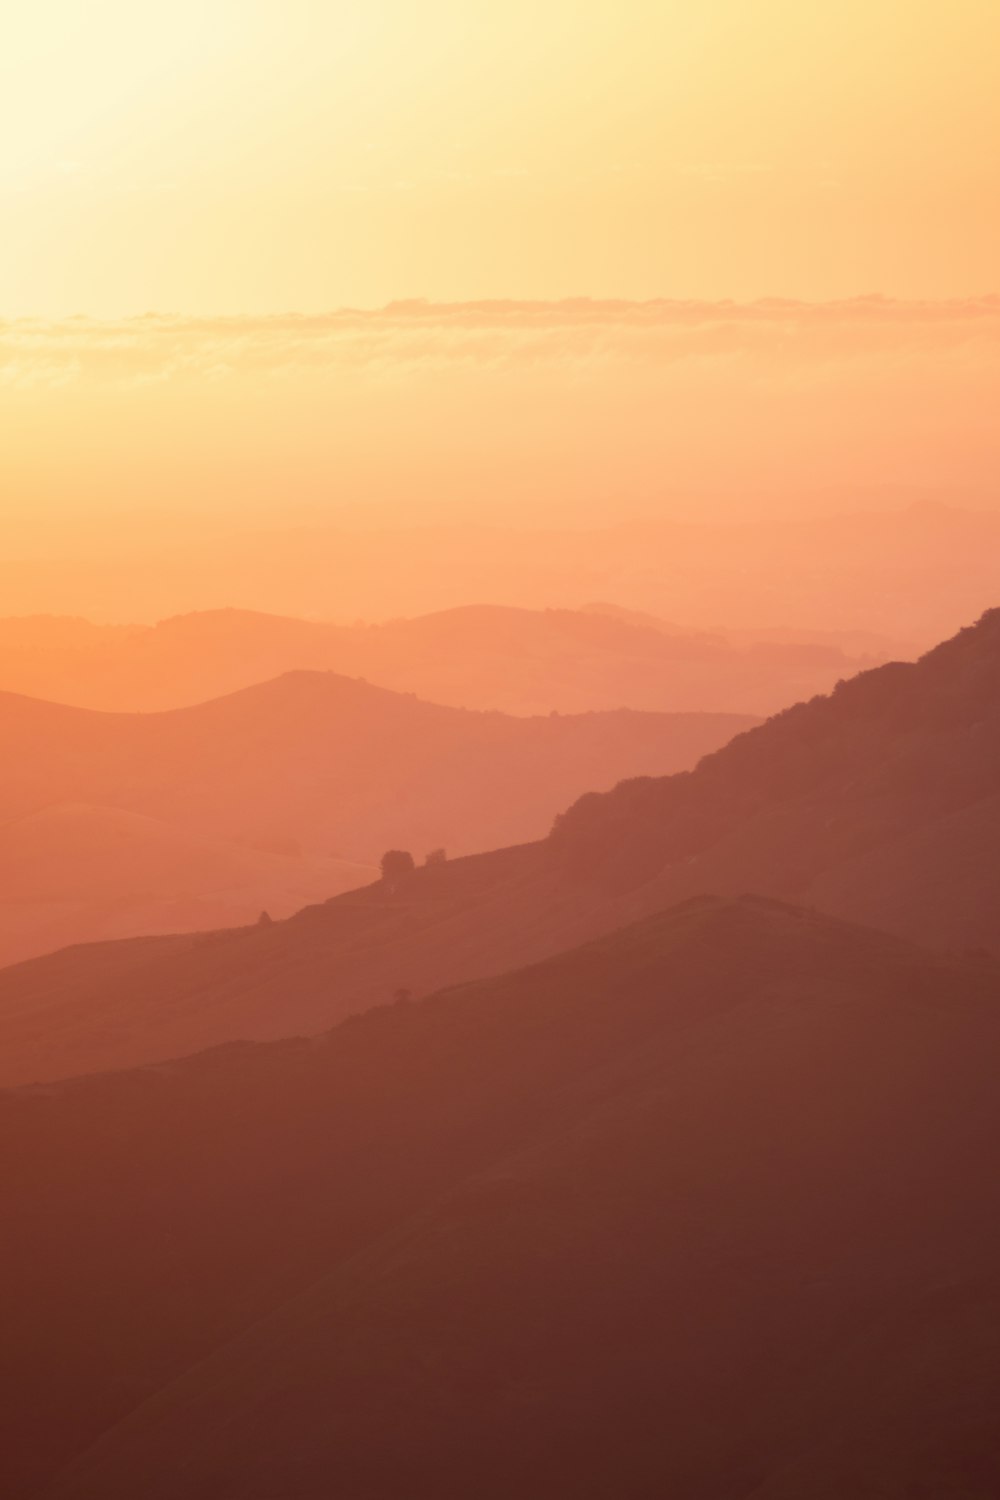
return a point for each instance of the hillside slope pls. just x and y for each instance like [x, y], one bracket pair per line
[74, 873]
[877, 803]
[283, 794]
[669, 1214]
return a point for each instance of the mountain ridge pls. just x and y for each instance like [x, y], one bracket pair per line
[622, 1169]
[812, 806]
[485, 656]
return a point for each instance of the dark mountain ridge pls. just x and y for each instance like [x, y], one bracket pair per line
[890, 751]
[518, 1238]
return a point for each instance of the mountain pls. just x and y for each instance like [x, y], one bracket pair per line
[517, 661]
[112, 825]
[879, 803]
[334, 765]
[706, 1208]
[915, 571]
[117, 1004]
[882, 799]
[858, 643]
[73, 873]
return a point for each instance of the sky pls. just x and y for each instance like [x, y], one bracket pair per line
[403, 261]
[548, 413]
[248, 156]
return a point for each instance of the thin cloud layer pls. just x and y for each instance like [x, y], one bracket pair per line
[776, 332]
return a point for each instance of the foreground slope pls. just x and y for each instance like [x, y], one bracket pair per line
[706, 1209]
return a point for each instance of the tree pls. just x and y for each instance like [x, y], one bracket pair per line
[265, 919]
[436, 857]
[396, 864]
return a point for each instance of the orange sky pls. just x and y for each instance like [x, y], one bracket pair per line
[531, 413]
[246, 167]
[209, 156]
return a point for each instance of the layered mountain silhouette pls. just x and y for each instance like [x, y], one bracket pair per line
[484, 657]
[878, 803]
[881, 800]
[278, 795]
[915, 571]
[73, 873]
[336, 765]
[705, 1208]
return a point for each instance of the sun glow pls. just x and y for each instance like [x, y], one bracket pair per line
[82, 85]
[321, 154]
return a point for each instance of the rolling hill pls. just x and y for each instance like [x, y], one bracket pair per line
[517, 661]
[113, 825]
[915, 570]
[335, 766]
[878, 803]
[705, 1208]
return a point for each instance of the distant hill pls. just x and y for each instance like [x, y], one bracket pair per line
[518, 661]
[856, 643]
[914, 571]
[707, 1209]
[286, 793]
[337, 766]
[879, 803]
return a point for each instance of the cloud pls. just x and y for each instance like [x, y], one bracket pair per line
[576, 332]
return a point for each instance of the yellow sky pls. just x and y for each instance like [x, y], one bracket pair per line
[264, 155]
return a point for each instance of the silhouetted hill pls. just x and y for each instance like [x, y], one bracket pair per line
[282, 794]
[913, 572]
[482, 657]
[878, 803]
[706, 1208]
[76, 873]
[112, 1005]
[336, 765]
[882, 794]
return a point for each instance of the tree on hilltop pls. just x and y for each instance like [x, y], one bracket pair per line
[395, 865]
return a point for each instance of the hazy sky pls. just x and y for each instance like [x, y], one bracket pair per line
[207, 156]
[535, 413]
[245, 168]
